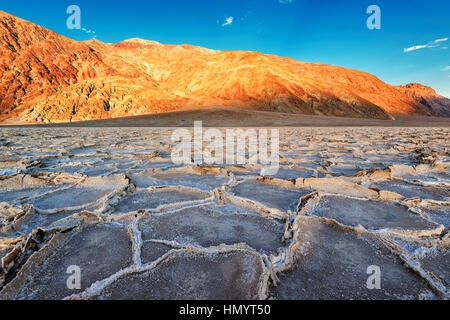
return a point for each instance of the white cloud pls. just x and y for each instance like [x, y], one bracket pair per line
[447, 68]
[413, 48]
[432, 44]
[90, 32]
[228, 21]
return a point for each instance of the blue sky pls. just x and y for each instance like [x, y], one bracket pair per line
[327, 31]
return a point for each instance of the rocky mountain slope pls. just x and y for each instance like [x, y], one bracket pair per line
[46, 77]
[428, 97]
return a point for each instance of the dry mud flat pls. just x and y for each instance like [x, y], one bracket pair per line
[111, 202]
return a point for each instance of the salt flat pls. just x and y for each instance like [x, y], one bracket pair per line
[112, 202]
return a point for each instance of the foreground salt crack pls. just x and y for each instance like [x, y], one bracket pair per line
[140, 227]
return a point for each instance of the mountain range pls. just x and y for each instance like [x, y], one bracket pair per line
[48, 78]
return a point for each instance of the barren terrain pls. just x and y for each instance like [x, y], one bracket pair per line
[110, 201]
[220, 117]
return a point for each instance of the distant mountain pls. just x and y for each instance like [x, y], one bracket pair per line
[46, 77]
[427, 97]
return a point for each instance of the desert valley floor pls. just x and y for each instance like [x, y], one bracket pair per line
[110, 201]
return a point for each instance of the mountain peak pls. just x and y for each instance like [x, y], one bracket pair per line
[6, 14]
[420, 87]
[142, 41]
[134, 43]
[16, 33]
[427, 97]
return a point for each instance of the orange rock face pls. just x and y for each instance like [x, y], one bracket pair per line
[46, 77]
[427, 97]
